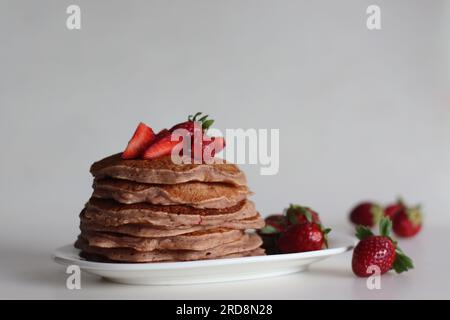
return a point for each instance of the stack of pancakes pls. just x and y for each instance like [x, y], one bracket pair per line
[155, 210]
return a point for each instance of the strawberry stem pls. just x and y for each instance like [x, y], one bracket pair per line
[196, 115]
[385, 227]
[206, 123]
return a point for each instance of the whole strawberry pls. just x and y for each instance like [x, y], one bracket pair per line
[189, 125]
[408, 222]
[139, 142]
[380, 251]
[303, 237]
[275, 223]
[297, 214]
[391, 210]
[366, 214]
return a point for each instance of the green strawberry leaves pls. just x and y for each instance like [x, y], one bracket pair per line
[194, 117]
[307, 214]
[363, 232]
[325, 232]
[402, 262]
[292, 218]
[268, 229]
[385, 227]
[295, 209]
[206, 123]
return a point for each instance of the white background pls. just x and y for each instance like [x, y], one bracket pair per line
[362, 115]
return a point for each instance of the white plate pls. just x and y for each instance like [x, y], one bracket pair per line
[203, 271]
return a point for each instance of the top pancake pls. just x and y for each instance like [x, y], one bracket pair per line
[163, 171]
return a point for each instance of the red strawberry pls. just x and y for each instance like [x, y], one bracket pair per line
[190, 124]
[275, 224]
[366, 214]
[408, 222]
[162, 133]
[380, 251]
[196, 127]
[203, 150]
[211, 147]
[162, 146]
[375, 250]
[391, 210]
[297, 214]
[303, 237]
[142, 138]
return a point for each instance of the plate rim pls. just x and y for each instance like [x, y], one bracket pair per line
[64, 255]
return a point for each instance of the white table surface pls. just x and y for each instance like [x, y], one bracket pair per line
[27, 272]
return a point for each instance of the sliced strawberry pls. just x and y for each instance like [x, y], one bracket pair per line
[162, 146]
[160, 134]
[141, 140]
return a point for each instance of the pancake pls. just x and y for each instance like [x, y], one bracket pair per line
[163, 171]
[198, 240]
[149, 231]
[246, 244]
[111, 213]
[194, 194]
[139, 230]
[251, 253]
[99, 258]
